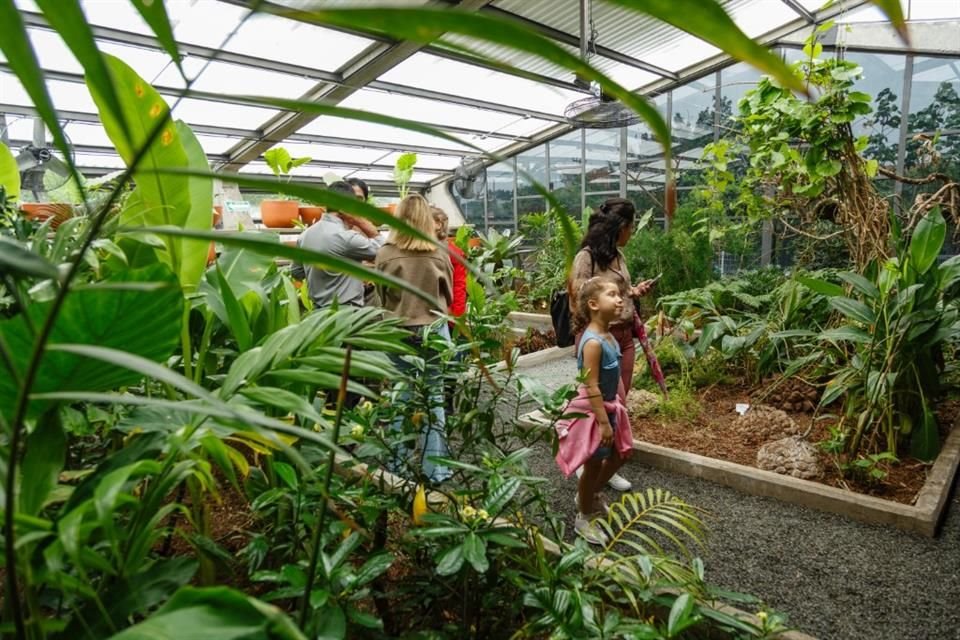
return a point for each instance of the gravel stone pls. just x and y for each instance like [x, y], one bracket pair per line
[835, 578]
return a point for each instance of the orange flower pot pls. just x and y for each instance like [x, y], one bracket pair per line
[391, 209]
[211, 254]
[309, 215]
[43, 210]
[217, 214]
[279, 214]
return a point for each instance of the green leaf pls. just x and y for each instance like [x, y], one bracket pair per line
[283, 399]
[155, 15]
[927, 240]
[289, 476]
[475, 552]
[217, 612]
[925, 440]
[194, 252]
[332, 623]
[820, 286]
[450, 561]
[17, 260]
[848, 334]
[9, 173]
[46, 453]
[828, 168]
[860, 96]
[373, 568]
[860, 283]
[236, 317]
[871, 168]
[500, 496]
[853, 309]
[709, 335]
[679, 617]
[142, 321]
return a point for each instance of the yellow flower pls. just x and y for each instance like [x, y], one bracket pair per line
[483, 515]
[357, 431]
[762, 616]
[419, 505]
[365, 408]
[468, 513]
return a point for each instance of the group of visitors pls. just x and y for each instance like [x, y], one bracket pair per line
[417, 261]
[601, 295]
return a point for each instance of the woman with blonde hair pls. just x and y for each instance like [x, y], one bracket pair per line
[422, 263]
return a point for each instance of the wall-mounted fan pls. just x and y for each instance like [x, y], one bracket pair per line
[598, 111]
[470, 178]
[42, 169]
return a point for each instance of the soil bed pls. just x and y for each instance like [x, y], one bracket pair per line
[711, 433]
[536, 340]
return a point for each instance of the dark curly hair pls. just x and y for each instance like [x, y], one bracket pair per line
[604, 228]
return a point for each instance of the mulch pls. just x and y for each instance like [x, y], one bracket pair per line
[711, 433]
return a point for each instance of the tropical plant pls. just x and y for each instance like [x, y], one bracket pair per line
[403, 172]
[281, 163]
[884, 354]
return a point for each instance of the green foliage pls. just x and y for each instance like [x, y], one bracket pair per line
[9, 173]
[894, 320]
[681, 253]
[403, 171]
[545, 269]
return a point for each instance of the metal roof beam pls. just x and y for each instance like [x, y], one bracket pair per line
[798, 8]
[363, 69]
[573, 40]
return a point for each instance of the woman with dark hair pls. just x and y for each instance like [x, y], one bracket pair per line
[610, 228]
[360, 188]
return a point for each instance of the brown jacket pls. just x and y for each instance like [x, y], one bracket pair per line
[583, 269]
[428, 271]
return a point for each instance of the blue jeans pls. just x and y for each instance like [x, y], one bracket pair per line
[433, 437]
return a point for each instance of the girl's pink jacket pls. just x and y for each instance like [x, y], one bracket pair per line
[580, 437]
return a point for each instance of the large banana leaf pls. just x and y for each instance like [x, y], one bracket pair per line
[155, 143]
[140, 314]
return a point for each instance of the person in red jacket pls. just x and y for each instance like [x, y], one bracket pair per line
[459, 304]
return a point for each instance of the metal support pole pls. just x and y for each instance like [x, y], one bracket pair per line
[904, 126]
[623, 161]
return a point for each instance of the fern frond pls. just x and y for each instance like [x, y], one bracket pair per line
[632, 520]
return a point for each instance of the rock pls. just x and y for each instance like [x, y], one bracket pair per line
[641, 403]
[791, 456]
[763, 423]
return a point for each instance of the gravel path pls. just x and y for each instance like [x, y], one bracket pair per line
[833, 577]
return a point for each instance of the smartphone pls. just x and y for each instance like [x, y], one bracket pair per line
[653, 281]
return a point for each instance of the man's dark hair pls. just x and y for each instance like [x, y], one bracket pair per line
[357, 182]
[341, 188]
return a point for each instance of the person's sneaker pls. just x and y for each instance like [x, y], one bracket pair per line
[589, 531]
[619, 483]
[616, 481]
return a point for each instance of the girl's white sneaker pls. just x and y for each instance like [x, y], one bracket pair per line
[616, 481]
[589, 531]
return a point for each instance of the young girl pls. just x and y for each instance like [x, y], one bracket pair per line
[602, 439]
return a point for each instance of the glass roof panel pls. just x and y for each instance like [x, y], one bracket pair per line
[360, 130]
[19, 128]
[932, 9]
[284, 40]
[69, 96]
[426, 161]
[216, 144]
[194, 111]
[99, 160]
[761, 16]
[221, 77]
[202, 22]
[87, 134]
[439, 74]
[330, 153]
[429, 111]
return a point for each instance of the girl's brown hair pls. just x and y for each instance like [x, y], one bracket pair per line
[589, 290]
[415, 211]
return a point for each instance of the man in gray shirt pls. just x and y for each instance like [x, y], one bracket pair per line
[341, 236]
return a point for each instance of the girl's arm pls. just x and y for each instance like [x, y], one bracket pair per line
[592, 352]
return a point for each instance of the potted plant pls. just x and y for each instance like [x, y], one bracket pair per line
[402, 174]
[281, 212]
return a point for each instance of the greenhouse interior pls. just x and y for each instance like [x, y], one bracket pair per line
[328, 319]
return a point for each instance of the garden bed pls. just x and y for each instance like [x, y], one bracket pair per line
[911, 496]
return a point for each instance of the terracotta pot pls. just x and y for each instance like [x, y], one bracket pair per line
[473, 243]
[309, 215]
[211, 254]
[43, 210]
[217, 214]
[279, 214]
[391, 209]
